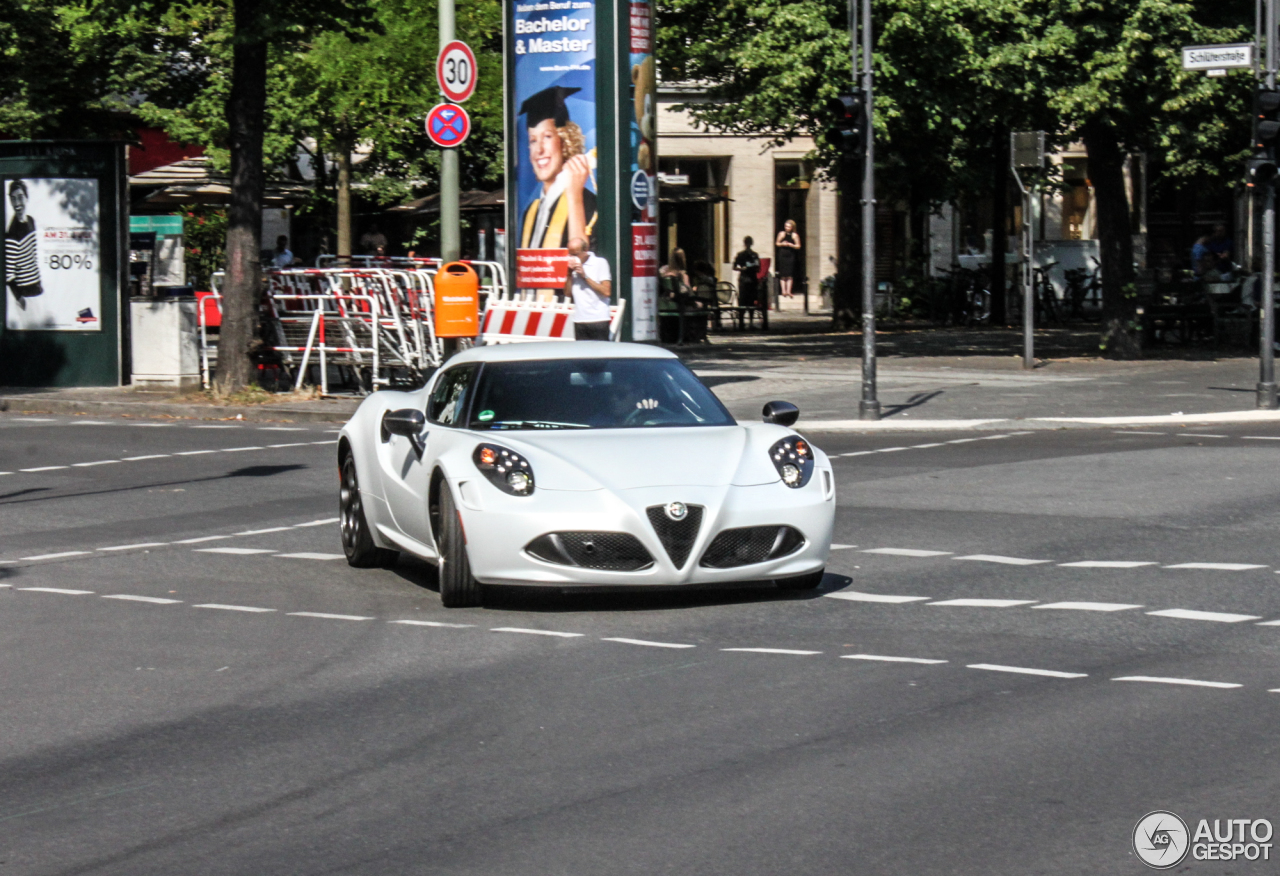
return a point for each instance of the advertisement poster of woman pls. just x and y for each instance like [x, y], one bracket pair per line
[52, 279]
[555, 93]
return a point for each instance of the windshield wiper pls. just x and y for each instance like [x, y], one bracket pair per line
[535, 424]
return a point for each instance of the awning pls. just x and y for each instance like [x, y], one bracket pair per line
[673, 194]
[468, 202]
[195, 181]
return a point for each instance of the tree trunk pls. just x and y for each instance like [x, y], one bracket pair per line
[846, 302]
[246, 107]
[999, 221]
[1121, 335]
[344, 202]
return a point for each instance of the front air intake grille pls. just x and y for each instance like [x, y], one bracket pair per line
[677, 536]
[608, 551]
[751, 544]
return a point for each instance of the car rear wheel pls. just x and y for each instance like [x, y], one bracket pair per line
[803, 582]
[357, 540]
[458, 588]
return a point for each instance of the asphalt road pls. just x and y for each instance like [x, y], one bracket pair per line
[194, 682]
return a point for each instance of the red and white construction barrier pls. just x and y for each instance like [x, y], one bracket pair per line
[516, 322]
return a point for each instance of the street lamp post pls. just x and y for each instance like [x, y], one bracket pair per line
[869, 406]
[1266, 398]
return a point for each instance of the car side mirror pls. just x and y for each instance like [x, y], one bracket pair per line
[408, 422]
[780, 413]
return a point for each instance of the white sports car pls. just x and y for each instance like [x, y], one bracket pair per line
[581, 464]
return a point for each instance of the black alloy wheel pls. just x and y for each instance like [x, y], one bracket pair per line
[357, 540]
[458, 587]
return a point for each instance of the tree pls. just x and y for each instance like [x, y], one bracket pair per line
[953, 76]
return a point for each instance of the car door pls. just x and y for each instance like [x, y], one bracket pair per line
[407, 476]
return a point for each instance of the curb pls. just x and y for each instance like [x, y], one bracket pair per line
[1039, 423]
[251, 413]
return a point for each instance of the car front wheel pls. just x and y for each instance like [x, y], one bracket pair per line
[357, 540]
[458, 587]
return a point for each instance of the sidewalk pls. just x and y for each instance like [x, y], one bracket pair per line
[927, 379]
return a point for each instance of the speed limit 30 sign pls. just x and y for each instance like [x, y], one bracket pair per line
[456, 71]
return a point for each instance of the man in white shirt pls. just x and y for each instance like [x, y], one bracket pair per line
[591, 285]
[282, 257]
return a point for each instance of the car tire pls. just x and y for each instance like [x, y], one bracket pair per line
[802, 582]
[357, 539]
[458, 587]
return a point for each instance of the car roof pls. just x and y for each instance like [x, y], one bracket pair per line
[560, 350]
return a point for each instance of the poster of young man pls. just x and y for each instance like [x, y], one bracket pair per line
[51, 245]
[555, 97]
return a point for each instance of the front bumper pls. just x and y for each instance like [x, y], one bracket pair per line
[498, 527]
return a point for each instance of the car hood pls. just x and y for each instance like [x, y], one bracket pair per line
[627, 459]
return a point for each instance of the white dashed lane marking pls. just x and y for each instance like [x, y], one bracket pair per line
[129, 547]
[854, 596]
[264, 531]
[1155, 679]
[1107, 564]
[233, 550]
[249, 608]
[99, 462]
[646, 643]
[308, 555]
[1023, 670]
[148, 456]
[152, 599]
[906, 552]
[787, 651]
[202, 539]
[1089, 606]
[64, 591]
[1220, 567]
[57, 556]
[326, 616]
[1188, 614]
[982, 603]
[535, 632]
[422, 623]
[885, 659]
[45, 468]
[1007, 561]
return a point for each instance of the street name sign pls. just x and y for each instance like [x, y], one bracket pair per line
[1217, 57]
[456, 71]
[448, 125]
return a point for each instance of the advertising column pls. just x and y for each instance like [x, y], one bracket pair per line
[553, 49]
[644, 162]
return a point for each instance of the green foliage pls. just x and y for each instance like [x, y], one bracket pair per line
[953, 75]
[204, 236]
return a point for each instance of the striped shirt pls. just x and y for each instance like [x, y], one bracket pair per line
[21, 261]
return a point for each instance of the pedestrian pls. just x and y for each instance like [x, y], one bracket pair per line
[282, 257]
[787, 247]
[1211, 255]
[675, 269]
[374, 242]
[591, 287]
[747, 264]
[21, 259]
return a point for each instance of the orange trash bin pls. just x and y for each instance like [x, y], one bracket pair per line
[457, 301]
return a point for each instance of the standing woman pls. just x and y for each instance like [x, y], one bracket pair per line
[787, 247]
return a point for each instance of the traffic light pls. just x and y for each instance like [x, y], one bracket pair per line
[848, 133]
[1266, 131]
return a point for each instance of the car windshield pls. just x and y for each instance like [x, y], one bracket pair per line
[593, 394]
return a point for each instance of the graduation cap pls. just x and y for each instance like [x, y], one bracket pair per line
[548, 104]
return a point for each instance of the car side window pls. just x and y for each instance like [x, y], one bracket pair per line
[449, 398]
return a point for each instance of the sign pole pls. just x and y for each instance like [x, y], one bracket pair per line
[869, 405]
[450, 215]
[1266, 398]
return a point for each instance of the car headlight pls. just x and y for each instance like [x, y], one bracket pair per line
[505, 469]
[793, 458]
